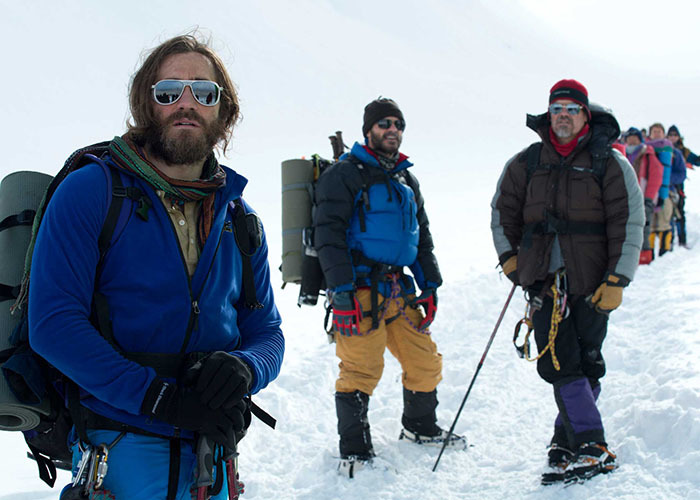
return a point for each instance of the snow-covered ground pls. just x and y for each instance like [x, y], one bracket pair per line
[650, 404]
[465, 74]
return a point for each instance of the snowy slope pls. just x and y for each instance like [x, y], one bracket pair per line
[650, 404]
[465, 74]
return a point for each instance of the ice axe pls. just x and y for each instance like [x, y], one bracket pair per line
[478, 368]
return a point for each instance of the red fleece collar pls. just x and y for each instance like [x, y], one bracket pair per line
[401, 158]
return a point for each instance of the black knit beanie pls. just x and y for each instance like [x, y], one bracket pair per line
[378, 109]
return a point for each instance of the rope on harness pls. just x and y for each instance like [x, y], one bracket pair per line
[395, 298]
[559, 298]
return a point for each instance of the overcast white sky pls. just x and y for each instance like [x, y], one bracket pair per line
[464, 73]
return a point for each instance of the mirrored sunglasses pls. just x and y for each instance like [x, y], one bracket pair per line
[386, 123]
[167, 92]
[572, 109]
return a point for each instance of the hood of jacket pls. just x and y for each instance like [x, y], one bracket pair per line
[604, 128]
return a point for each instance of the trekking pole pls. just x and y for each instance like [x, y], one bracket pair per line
[235, 487]
[478, 368]
[205, 461]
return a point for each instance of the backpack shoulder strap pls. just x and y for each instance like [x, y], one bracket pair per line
[533, 159]
[363, 204]
[599, 163]
[247, 230]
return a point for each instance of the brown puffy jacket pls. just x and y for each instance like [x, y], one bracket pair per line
[599, 221]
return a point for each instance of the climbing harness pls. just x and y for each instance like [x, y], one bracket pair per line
[394, 298]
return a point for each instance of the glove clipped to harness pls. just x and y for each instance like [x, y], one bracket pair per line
[182, 407]
[428, 300]
[347, 313]
[608, 296]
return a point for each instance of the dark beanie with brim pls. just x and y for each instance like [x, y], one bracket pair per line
[378, 109]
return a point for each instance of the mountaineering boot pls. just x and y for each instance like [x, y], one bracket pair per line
[352, 464]
[665, 242]
[590, 460]
[419, 421]
[645, 257]
[353, 428]
[558, 457]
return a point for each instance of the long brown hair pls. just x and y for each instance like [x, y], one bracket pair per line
[141, 102]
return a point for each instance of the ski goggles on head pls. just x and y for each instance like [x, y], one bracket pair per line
[166, 92]
[572, 109]
[385, 123]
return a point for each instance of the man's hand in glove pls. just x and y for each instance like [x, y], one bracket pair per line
[222, 379]
[608, 296]
[428, 301]
[347, 313]
[182, 407]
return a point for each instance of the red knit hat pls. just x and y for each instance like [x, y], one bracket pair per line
[572, 90]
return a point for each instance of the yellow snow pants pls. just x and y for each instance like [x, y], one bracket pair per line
[362, 356]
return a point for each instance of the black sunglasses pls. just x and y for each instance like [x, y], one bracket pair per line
[385, 123]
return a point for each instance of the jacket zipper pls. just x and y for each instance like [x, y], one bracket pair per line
[194, 306]
[195, 300]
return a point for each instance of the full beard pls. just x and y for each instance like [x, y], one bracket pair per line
[381, 145]
[182, 147]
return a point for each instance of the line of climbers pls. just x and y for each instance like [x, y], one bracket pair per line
[661, 161]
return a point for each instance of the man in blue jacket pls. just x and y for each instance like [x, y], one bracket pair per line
[157, 331]
[369, 225]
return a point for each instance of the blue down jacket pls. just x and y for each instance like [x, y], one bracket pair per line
[366, 212]
[151, 297]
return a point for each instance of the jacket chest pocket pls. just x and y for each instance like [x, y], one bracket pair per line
[538, 192]
[584, 191]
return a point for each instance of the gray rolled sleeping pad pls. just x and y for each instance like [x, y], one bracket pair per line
[297, 182]
[20, 195]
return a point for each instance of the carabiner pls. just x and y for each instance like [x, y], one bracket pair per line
[524, 349]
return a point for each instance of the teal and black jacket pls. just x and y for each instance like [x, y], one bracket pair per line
[154, 305]
[367, 215]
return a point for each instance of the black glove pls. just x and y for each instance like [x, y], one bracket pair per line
[347, 313]
[428, 301]
[183, 408]
[243, 415]
[221, 379]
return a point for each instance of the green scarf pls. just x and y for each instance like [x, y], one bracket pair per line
[131, 159]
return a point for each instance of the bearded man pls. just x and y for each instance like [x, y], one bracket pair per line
[370, 224]
[157, 328]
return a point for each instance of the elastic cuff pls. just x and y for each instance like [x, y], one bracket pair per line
[613, 279]
[158, 396]
[505, 256]
[347, 287]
